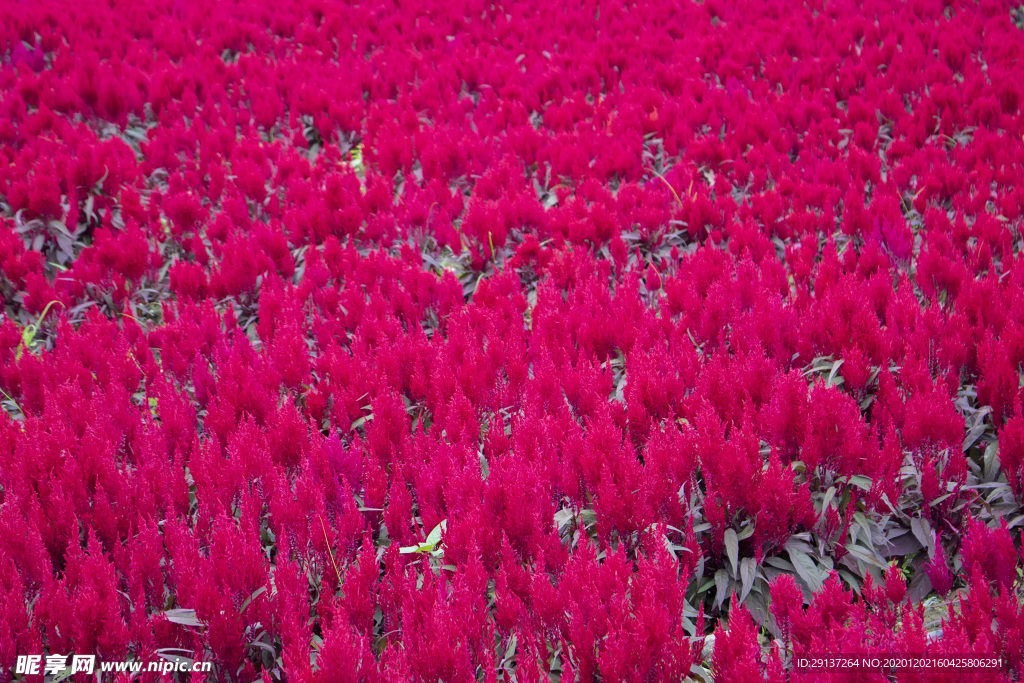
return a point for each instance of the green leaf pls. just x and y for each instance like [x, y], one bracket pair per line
[806, 569]
[62, 676]
[832, 375]
[434, 537]
[748, 572]
[826, 502]
[563, 517]
[721, 587]
[865, 555]
[976, 427]
[991, 462]
[185, 617]
[780, 563]
[922, 531]
[732, 548]
[421, 548]
[356, 424]
[757, 605]
[485, 467]
[861, 482]
[510, 650]
[428, 546]
[255, 594]
[850, 579]
[699, 672]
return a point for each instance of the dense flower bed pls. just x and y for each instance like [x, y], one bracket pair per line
[522, 341]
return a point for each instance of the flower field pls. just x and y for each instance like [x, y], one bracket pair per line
[515, 341]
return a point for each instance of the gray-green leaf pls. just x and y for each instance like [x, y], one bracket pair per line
[923, 532]
[185, 617]
[748, 572]
[806, 569]
[721, 586]
[732, 548]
